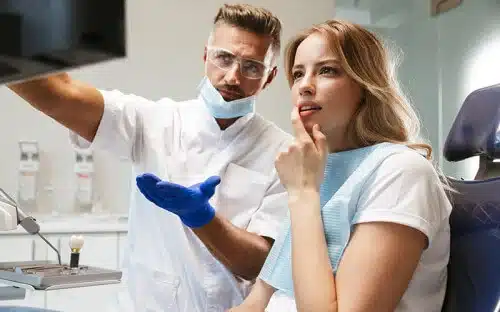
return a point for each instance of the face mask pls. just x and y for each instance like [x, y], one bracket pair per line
[219, 107]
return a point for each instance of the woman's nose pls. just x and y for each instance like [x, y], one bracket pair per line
[307, 86]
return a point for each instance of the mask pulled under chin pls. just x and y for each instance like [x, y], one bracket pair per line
[220, 108]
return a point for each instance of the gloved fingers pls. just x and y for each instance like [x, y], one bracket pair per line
[172, 190]
[148, 177]
[144, 191]
[207, 187]
[147, 185]
[147, 182]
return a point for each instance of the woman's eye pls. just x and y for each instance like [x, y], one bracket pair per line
[329, 70]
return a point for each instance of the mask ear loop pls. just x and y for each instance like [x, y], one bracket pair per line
[209, 41]
[206, 59]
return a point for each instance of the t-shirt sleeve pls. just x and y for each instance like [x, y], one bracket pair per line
[405, 189]
[121, 125]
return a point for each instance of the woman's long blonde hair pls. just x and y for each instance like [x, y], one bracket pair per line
[384, 114]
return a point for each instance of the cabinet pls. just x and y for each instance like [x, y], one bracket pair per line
[20, 248]
[122, 242]
[101, 248]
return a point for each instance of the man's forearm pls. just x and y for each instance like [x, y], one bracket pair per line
[240, 251]
[73, 104]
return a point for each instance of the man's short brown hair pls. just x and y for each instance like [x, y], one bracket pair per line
[254, 19]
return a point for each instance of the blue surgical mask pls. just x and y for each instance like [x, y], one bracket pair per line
[220, 108]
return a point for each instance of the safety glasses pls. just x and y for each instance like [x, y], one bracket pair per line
[225, 60]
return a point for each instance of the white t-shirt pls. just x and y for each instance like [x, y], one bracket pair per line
[166, 267]
[405, 189]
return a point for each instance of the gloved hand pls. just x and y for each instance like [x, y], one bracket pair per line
[189, 203]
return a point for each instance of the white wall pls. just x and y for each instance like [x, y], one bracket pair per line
[445, 58]
[165, 50]
[469, 41]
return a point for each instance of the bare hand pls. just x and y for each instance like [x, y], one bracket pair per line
[302, 166]
[245, 308]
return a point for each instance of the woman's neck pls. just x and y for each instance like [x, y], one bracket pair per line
[338, 142]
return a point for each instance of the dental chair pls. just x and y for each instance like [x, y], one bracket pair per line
[474, 267]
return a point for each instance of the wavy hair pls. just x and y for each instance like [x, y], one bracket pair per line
[384, 114]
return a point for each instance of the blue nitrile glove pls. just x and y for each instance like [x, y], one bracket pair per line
[189, 203]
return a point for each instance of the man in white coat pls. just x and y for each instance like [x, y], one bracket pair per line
[200, 254]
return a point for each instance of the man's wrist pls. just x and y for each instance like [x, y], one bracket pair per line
[199, 217]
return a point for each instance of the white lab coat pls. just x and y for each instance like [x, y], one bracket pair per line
[166, 267]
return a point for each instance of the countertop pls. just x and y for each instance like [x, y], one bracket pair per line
[77, 224]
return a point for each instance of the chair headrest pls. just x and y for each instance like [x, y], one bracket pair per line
[474, 131]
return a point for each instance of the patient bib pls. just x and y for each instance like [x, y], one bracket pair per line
[345, 174]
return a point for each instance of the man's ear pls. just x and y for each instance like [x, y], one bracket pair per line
[205, 54]
[270, 77]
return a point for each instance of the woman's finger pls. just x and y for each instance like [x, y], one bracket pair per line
[320, 140]
[298, 127]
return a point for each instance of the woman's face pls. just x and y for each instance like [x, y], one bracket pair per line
[322, 91]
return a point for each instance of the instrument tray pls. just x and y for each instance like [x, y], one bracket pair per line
[48, 275]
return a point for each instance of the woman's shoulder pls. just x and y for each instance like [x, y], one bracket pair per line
[405, 188]
[408, 161]
[406, 176]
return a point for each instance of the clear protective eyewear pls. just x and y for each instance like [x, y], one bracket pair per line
[225, 60]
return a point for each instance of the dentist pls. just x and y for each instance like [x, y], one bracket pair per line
[204, 248]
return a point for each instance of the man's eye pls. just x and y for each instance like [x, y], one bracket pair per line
[296, 75]
[222, 56]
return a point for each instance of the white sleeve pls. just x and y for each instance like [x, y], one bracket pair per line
[120, 127]
[405, 189]
[268, 219]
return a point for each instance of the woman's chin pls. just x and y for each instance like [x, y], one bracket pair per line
[308, 125]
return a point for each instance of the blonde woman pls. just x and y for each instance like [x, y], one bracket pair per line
[368, 219]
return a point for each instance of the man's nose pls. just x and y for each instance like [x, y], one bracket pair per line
[233, 75]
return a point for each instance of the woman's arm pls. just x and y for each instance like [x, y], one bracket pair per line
[377, 266]
[373, 274]
[257, 300]
[398, 214]
[313, 280]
